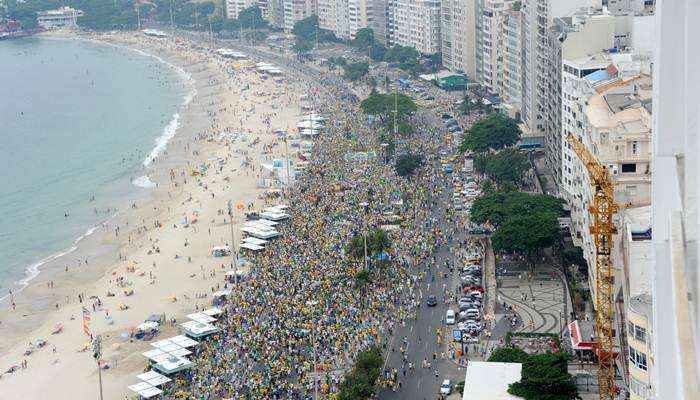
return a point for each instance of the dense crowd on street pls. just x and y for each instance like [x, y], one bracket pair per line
[295, 323]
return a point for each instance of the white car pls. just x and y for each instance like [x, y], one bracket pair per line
[450, 317]
[446, 387]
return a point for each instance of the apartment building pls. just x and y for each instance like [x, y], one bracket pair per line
[415, 23]
[499, 48]
[573, 40]
[676, 177]
[538, 16]
[379, 22]
[296, 10]
[458, 29]
[634, 314]
[344, 17]
[234, 7]
[272, 11]
[611, 115]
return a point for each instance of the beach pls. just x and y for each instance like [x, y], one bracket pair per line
[158, 247]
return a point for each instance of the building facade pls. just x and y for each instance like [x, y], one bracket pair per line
[296, 10]
[458, 29]
[344, 17]
[64, 17]
[416, 23]
[675, 218]
[612, 117]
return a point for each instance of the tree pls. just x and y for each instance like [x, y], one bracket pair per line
[363, 38]
[492, 133]
[362, 278]
[356, 71]
[377, 51]
[407, 164]
[307, 33]
[508, 165]
[527, 234]
[358, 384]
[434, 62]
[401, 54]
[377, 242]
[251, 18]
[545, 377]
[383, 106]
[498, 207]
[509, 355]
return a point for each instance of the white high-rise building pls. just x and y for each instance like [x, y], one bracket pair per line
[416, 23]
[234, 7]
[675, 218]
[296, 10]
[459, 36]
[344, 17]
[537, 18]
[499, 48]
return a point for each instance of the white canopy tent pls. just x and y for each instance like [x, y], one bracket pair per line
[267, 222]
[259, 233]
[156, 355]
[173, 364]
[184, 341]
[153, 378]
[145, 390]
[197, 330]
[275, 216]
[201, 317]
[251, 246]
[212, 312]
[255, 241]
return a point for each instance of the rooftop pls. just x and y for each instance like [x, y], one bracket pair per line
[490, 380]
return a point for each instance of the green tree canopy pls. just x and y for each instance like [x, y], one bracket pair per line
[307, 33]
[358, 384]
[383, 105]
[363, 38]
[377, 241]
[545, 377]
[356, 71]
[492, 133]
[527, 234]
[509, 355]
[508, 165]
[407, 164]
[498, 207]
[401, 54]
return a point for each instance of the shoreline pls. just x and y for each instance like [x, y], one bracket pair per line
[36, 315]
[168, 132]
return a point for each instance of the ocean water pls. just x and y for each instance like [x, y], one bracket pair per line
[80, 123]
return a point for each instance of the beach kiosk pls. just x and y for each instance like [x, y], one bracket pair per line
[153, 378]
[198, 330]
[201, 317]
[172, 365]
[251, 246]
[145, 390]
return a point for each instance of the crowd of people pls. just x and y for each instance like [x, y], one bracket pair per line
[294, 324]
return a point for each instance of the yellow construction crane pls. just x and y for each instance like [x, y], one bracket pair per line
[601, 212]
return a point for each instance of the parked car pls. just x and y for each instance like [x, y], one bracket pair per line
[450, 317]
[446, 387]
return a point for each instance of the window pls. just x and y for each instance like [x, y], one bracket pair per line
[635, 147]
[640, 333]
[638, 358]
[639, 388]
[629, 168]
